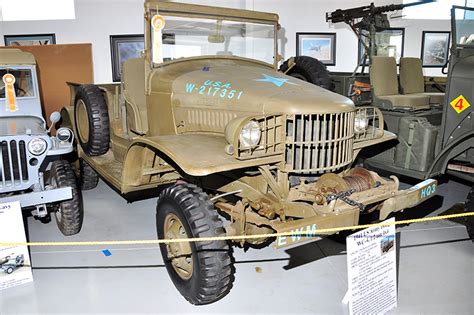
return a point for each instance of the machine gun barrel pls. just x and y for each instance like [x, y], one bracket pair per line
[365, 11]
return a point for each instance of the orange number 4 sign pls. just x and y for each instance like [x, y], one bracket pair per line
[459, 104]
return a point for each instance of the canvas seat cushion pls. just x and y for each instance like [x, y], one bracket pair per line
[412, 101]
[435, 98]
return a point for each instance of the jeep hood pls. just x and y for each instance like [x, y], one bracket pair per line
[245, 86]
[12, 126]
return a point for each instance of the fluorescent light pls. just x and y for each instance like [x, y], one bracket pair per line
[34, 10]
[439, 10]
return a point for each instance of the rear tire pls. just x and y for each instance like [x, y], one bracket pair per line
[88, 178]
[91, 120]
[311, 70]
[69, 213]
[201, 271]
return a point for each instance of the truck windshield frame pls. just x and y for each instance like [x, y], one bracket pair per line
[462, 20]
[186, 36]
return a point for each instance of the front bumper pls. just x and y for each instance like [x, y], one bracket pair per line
[390, 198]
[40, 197]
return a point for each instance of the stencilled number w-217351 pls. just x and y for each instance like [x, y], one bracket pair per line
[214, 89]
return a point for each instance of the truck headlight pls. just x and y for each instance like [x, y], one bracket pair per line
[361, 122]
[64, 134]
[37, 146]
[250, 134]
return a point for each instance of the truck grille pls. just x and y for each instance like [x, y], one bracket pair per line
[317, 143]
[13, 163]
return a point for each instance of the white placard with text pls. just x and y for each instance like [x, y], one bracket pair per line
[15, 266]
[372, 270]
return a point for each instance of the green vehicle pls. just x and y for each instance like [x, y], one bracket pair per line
[236, 147]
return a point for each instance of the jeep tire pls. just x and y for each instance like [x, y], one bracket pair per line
[9, 270]
[87, 177]
[91, 120]
[69, 213]
[311, 70]
[201, 271]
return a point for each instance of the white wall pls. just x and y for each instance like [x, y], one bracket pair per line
[96, 20]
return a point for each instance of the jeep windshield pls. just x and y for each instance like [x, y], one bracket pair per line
[192, 37]
[23, 85]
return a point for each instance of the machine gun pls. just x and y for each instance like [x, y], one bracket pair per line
[368, 19]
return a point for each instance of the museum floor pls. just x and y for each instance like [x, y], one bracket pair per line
[436, 268]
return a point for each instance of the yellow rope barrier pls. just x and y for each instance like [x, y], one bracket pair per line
[238, 237]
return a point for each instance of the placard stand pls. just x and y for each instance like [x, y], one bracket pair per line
[15, 266]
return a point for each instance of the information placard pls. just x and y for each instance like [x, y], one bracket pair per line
[15, 267]
[372, 271]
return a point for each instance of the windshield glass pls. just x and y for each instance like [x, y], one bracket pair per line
[23, 85]
[191, 37]
[464, 26]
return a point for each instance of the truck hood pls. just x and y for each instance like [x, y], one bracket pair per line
[244, 86]
[12, 126]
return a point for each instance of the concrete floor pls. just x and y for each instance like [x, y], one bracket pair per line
[436, 268]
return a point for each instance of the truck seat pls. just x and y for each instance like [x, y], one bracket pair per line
[412, 81]
[133, 78]
[384, 81]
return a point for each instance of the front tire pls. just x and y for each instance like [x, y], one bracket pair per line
[69, 213]
[9, 270]
[201, 271]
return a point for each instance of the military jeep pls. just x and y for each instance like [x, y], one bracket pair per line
[31, 170]
[205, 115]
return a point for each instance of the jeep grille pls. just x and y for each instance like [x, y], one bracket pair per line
[13, 164]
[317, 143]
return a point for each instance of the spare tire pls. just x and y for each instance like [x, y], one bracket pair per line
[91, 120]
[309, 69]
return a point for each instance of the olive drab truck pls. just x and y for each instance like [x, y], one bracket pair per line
[236, 147]
[31, 169]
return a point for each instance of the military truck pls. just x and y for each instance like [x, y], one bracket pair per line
[206, 116]
[31, 169]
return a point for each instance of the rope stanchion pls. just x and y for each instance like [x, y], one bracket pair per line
[237, 237]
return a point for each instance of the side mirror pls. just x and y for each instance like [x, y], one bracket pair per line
[216, 39]
[54, 118]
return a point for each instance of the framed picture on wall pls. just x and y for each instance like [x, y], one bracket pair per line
[30, 40]
[435, 48]
[389, 43]
[321, 46]
[122, 48]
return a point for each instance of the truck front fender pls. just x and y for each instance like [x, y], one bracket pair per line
[452, 150]
[198, 154]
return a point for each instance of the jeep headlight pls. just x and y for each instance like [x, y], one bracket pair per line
[64, 134]
[37, 146]
[250, 134]
[361, 122]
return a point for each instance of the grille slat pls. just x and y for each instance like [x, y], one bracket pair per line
[13, 163]
[318, 143]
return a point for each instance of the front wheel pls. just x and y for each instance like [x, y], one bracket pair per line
[201, 271]
[69, 213]
[9, 270]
